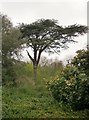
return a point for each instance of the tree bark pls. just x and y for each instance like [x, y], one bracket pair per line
[35, 72]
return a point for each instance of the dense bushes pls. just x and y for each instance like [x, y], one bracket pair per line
[81, 61]
[8, 72]
[71, 88]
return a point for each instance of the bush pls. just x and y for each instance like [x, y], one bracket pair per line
[71, 88]
[8, 76]
[81, 61]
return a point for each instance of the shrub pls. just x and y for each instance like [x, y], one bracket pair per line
[81, 61]
[8, 76]
[71, 88]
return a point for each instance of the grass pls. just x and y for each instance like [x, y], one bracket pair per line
[29, 100]
[34, 103]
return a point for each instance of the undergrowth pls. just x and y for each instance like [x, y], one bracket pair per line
[30, 99]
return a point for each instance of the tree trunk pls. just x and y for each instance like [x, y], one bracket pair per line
[35, 72]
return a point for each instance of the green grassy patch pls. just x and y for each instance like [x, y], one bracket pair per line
[33, 100]
[32, 103]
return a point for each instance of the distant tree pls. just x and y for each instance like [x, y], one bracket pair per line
[47, 35]
[10, 36]
[44, 61]
[10, 46]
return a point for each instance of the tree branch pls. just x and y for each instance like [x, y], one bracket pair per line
[56, 51]
[35, 53]
[46, 46]
[39, 55]
[30, 56]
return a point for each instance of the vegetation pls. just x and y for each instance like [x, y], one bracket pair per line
[72, 87]
[68, 93]
[27, 100]
[10, 48]
[81, 61]
[47, 35]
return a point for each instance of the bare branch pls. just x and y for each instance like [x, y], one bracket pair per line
[30, 56]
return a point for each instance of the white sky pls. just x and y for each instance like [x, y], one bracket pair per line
[67, 12]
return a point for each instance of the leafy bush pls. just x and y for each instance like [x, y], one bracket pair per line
[8, 72]
[81, 61]
[71, 88]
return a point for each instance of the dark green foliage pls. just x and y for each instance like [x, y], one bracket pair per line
[8, 73]
[81, 60]
[27, 100]
[72, 88]
[47, 35]
[10, 47]
[30, 101]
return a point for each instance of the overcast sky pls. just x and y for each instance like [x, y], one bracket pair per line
[67, 12]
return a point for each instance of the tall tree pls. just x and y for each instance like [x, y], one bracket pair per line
[10, 47]
[47, 35]
[10, 39]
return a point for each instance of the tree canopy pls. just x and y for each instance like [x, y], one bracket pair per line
[10, 35]
[10, 46]
[47, 35]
